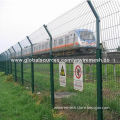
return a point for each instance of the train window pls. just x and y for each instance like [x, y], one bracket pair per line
[67, 39]
[60, 41]
[86, 35]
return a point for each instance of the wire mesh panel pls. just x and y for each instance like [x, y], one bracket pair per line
[12, 52]
[111, 88]
[27, 74]
[2, 62]
[38, 36]
[77, 101]
[18, 69]
[109, 12]
[63, 29]
[42, 77]
[26, 47]
[73, 35]
[13, 70]
[18, 50]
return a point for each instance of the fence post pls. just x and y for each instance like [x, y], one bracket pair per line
[4, 62]
[9, 67]
[4, 57]
[98, 65]
[32, 65]
[15, 64]
[21, 64]
[51, 68]
[7, 64]
[10, 61]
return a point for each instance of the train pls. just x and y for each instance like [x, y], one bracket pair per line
[75, 39]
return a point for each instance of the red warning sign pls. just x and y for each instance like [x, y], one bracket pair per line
[78, 71]
[78, 76]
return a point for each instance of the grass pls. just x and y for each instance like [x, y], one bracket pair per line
[111, 84]
[17, 103]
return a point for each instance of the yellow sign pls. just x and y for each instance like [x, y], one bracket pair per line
[62, 73]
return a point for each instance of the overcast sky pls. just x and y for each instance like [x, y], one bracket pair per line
[19, 18]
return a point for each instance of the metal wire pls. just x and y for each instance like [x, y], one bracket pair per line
[80, 17]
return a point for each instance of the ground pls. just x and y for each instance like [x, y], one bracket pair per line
[17, 103]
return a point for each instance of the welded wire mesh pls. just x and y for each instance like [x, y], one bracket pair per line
[80, 17]
[27, 75]
[18, 72]
[38, 36]
[12, 52]
[25, 43]
[13, 70]
[42, 77]
[111, 86]
[109, 12]
[17, 49]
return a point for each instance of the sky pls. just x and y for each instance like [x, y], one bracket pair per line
[19, 18]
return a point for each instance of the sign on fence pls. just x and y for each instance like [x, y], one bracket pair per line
[62, 74]
[78, 76]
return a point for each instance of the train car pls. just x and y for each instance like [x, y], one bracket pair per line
[86, 38]
[75, 39]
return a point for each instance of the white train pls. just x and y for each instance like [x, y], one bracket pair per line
[79, 38]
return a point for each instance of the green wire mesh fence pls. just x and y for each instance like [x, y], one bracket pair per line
[36, 75]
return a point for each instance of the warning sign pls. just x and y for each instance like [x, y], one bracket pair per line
[78, 76]
[62, 74]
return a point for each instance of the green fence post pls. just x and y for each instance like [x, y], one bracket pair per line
[10, 61]
[32, 65]
[51, 68]
[21, 64]
[98, 65]
[15, 65]
[4, 62]
[7, 64]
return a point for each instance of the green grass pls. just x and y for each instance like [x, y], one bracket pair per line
[111, 84]
[16, 103]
